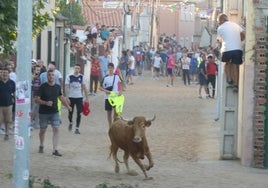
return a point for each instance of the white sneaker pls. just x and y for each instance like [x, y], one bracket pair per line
[2, 131]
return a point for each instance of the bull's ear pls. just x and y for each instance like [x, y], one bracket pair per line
[130, 122]
[148, 123]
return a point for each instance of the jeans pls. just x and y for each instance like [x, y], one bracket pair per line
[78, 102]
[186, 75]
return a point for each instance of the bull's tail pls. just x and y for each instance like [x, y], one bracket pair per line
[110, 154]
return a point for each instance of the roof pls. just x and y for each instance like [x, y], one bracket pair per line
[111, 17]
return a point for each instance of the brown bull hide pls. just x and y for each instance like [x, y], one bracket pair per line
[130, 137]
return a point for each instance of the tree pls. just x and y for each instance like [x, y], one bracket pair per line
[72, 11]
[8, 22]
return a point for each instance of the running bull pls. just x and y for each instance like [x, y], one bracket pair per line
[129, 135]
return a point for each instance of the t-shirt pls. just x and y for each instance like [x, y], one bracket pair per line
[111, 80]
[138, 55]
[229, 32]
[104, 34]
[164, 56]
[185, 63]
[193, 63]
[104, 64]
[13, 76]
[178, 56]
[36, 82]
[202, 66]
[132, 66]
[211, 68]
[6, 92]
[75, 85]
[58, 76]
[171, 62]
[94, 30]
[123, 63]
[157, 61]
[49, 93]
[95, 68]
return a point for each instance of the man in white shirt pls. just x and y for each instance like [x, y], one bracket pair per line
[75, 86]
[110, 83]
[94, 33]
[185, 63]
[230, 35]
[131, 67]
[156, 65]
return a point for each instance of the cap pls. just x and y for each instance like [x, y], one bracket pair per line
[209, 55]
[34, 61]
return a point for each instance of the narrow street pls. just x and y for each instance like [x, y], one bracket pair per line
[184, 141]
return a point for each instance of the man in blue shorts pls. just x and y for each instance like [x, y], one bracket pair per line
[49, 92]
[230, 36]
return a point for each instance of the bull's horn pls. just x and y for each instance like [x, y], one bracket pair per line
[124, 119]
[151, 119]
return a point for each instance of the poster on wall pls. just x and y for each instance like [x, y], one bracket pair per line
[23, 92]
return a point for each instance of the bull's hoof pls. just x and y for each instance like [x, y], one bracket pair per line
[147, 167]
[148, 178]
[132, 173]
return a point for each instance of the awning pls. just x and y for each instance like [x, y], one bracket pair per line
[111, 17]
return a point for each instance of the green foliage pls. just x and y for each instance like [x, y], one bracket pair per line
[72, 11]
[45, 183]
[40, 20]
[9, 175]
[8, 23]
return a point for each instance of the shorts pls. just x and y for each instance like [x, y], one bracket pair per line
[233, 56]
[138, 63]
[156, 69]
[94, 35]
[6, 114]
[131, 72]
[89, 37]
[170, 71]
[45, 119]
[108, 106]
[202, 80]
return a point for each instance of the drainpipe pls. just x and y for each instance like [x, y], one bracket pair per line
[152, 23]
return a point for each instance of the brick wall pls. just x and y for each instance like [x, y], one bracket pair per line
[260, 88]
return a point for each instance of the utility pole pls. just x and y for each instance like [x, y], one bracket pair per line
[22, 121]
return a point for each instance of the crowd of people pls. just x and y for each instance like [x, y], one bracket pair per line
[86, 45]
